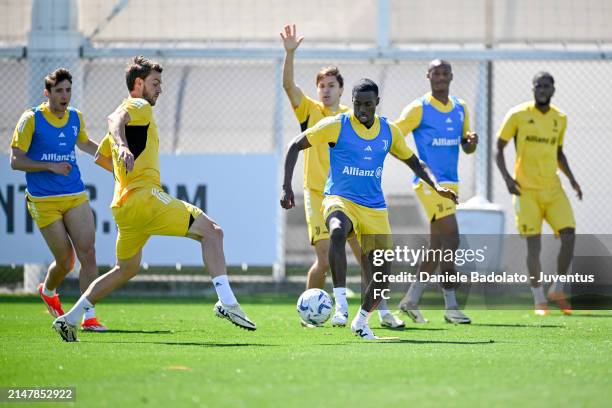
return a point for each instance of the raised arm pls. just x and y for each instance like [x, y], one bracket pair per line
[565, 168]
[291, 43]
[116, 126]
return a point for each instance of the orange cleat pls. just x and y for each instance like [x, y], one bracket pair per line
[92, 324]
[54, 306]
[559, 299]
[541, 310]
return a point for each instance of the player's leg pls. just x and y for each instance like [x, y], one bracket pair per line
[319, 239]
[318, 271]
[57, 240]
[447, 232]
[79, 223]
[339, 226]
[560, 216]
[210, 235]
[101, 287]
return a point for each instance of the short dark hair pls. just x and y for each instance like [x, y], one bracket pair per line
[330, 71]
[543, 74]
[365, 85]
[56, 77]
[140, 67]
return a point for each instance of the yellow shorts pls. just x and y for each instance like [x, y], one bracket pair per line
[46, 212]
[371, 226]
[150, 211]
[313, 207]
[435, 206]
[533, 206]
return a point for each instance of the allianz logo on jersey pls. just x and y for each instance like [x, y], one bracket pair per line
[54, 157]
[356, 171]
[442, 141]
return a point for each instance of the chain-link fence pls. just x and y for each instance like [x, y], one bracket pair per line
[235, 104]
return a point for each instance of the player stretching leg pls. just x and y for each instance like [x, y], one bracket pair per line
[142, 209]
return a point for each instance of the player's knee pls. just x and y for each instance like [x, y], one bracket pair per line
[66, 261]
[323, 264]
[87, 254]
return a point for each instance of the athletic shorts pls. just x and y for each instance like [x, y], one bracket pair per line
[371, 226]
[533, 206]
[313, 207]
[46, 212]
[435, 206]
[150, 211]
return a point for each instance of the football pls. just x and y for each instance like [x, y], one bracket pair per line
[314, 306]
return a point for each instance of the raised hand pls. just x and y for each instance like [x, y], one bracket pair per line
[290, 40]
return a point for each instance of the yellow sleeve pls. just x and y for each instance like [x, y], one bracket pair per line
[22, 135]
[509, 128]
[466, 118]
[410, 118]
[399, 148]
[104, 148]
[82, 136]
[140, 111]
[302, 111]
[325, 131]
[562, 130]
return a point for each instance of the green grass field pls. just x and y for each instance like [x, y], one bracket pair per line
[176, 353]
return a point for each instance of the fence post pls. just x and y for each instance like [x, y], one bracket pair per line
[278, 269]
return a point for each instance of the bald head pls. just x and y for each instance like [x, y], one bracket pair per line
[439, 63]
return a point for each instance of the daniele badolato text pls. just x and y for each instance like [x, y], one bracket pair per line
[460, 257]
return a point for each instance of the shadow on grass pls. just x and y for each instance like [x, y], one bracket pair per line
[590, 315]
[411, 328]
[190, 343]
[409, 341]
[136, 331]
[530, 326]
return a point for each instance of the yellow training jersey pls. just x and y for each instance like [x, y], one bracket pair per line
[328, 130]
[316, 159]
[537, 137]
[143, 141]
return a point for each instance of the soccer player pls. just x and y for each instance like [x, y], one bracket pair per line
[538, 130]
[43, 147]
[439, 123]
[359, 142]
[141, 208]
[308, 112]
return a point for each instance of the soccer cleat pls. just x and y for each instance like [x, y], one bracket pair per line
[67, 331]
[559, 299]
[391, 321]
[413, 312]
[92, 324]
[541, 310]
[54, 306]
[339, 319]
[456, 316]
[362, 331]
[234, 314]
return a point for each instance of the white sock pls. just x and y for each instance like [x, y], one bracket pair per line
[450, 300]
[341, 303]
[47, 292]
[224, 291]
[558, 287]
[362, 317]
[538, 295]
[415, 292]
[90, 313]
[74, 315]
[383, 309]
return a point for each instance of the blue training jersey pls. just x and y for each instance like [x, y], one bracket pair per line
[356, 165]
[438, 138]
[52, 144]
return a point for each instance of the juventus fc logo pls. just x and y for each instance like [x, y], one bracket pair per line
[386, 145]
[75, 130]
